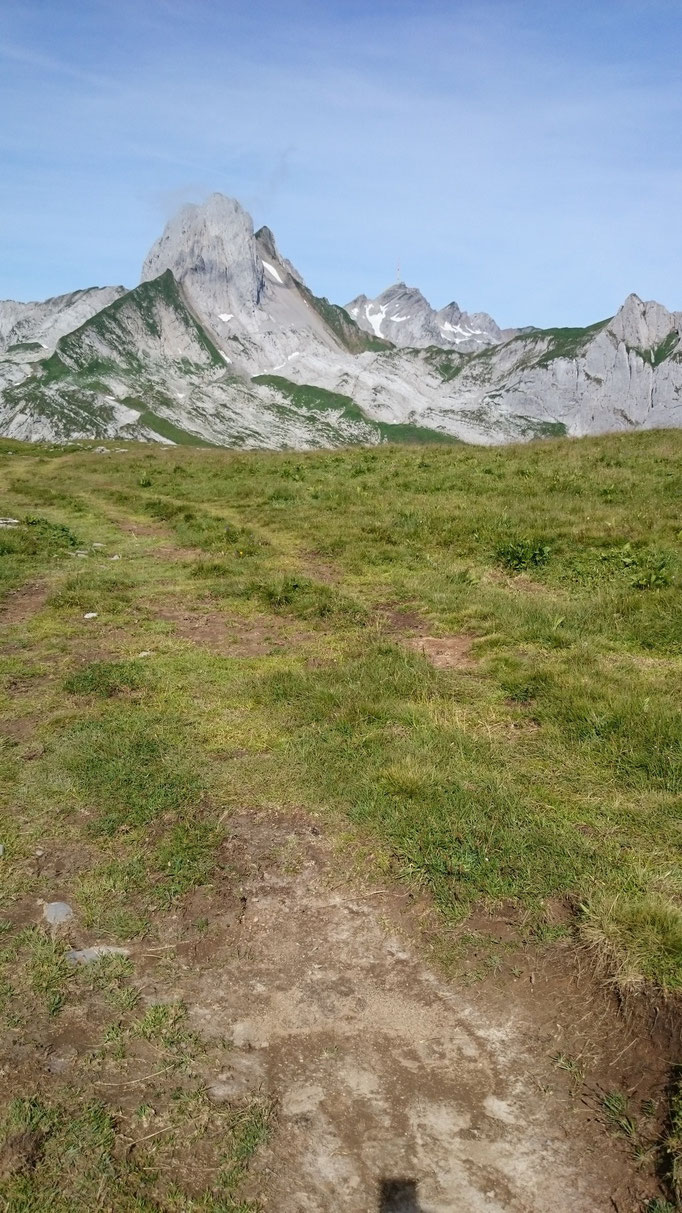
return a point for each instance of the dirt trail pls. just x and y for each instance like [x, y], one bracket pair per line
[381, 1071]
[396, 1091]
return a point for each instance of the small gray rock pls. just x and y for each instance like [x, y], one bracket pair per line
[57, 912]
[85, 956]
[57, 1064]
[9, 522]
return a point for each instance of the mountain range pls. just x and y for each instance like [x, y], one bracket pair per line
[223, 342]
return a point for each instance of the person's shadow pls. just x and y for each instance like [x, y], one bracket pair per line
[399, 1196]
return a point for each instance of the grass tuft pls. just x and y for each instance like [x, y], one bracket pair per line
[639, 937]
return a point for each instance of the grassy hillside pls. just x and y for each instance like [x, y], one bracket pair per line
[464, 663]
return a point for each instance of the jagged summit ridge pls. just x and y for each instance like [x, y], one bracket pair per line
[403, 316]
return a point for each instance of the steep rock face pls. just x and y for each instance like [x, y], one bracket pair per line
[402, 315]
[624, 373]
[250, 298]
[211, 252]
[644, 326]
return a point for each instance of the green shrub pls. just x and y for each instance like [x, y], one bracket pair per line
[654, 572]
[36, 536]
[308, 599]
[520, 554]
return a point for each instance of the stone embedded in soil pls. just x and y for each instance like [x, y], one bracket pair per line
[84, 956]
[57, 1063]
[57, 912]
[90, 615]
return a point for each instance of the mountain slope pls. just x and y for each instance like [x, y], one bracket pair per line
[223, 342]
[30, 330]
[623, 373]
[574, 381]
[144, 344]
[44, 323]
[145, 367]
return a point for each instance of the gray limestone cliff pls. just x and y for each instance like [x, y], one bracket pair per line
[222, 341]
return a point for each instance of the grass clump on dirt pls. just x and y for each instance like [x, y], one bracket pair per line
[129, 764]
[673, 1140]
[29, 545]
[308, 600]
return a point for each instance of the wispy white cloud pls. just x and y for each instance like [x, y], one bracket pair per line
[48, 65]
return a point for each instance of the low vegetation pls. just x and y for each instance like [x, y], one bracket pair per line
[541, 766]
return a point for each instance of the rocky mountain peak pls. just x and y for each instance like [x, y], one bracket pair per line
[266, 240]
[643, 325]
[224, 340]
[211, 251]
[402, 315]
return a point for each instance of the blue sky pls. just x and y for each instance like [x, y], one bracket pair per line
[523, 158]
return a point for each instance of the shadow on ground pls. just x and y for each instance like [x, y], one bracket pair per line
[399, 1196]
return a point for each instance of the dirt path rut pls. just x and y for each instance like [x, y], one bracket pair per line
[387, 1079]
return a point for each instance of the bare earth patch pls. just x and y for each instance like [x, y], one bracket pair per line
[445, 652]
[380, 1070]
[223, 634]
[24, 603]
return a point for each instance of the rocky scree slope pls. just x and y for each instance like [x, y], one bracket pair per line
[223, 342]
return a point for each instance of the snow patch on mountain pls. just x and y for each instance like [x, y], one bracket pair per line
[423, 326]
[272, 272]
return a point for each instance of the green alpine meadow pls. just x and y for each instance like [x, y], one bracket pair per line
[462, 665]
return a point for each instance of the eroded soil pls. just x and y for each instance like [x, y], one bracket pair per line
[381, 1070]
